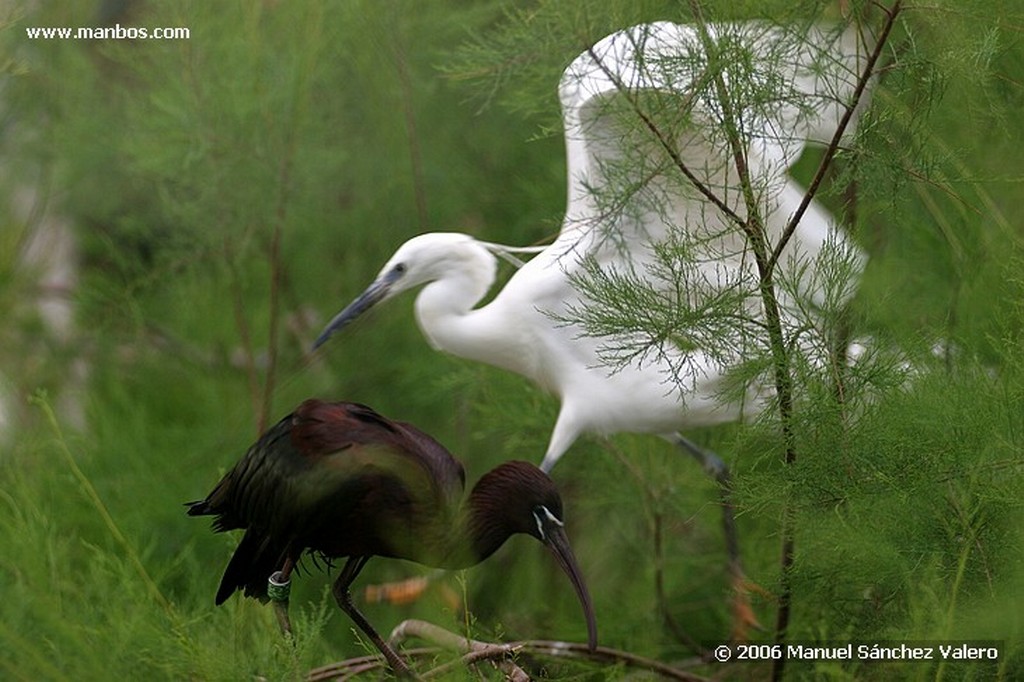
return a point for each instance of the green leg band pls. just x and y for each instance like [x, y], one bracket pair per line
[277, 588]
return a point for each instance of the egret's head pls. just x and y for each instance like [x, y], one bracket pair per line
[420, 260]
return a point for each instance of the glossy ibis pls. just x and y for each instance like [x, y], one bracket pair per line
[340, 480]
[682, 190]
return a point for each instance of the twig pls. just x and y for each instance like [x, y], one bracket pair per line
[788, 513]
[477, 650]
[244, 334]
[409, 114]
[844, 122]
[658, 549]
[609, 657]
[665, 143]
[474, 650]
[274, 256]
[281, 217]
[350, 667]
[659, 587]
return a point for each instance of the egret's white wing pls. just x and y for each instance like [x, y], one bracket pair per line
[626, 191]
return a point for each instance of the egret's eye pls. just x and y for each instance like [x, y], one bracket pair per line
[399, 268]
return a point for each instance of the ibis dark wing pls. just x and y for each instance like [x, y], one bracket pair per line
[338, 479]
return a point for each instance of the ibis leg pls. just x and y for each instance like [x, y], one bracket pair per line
[278, 589]
[344, 598]
[711, 463]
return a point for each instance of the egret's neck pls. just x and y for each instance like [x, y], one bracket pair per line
[445, 308]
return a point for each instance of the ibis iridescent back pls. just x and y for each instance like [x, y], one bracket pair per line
[340, 480]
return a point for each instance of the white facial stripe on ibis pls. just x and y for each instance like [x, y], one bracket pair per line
[551, 517]
[546, 515]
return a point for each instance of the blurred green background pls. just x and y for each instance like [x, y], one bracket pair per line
[229, 192]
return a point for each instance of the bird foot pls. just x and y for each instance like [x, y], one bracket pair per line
[409, 591]
[397, 593]
[743, 617]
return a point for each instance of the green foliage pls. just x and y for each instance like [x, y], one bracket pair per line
[231, 190]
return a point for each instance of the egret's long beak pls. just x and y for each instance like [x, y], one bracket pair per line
[374, 294]
[557, 541]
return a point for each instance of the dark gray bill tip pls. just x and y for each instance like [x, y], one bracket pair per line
[374, 293]
[327, 333]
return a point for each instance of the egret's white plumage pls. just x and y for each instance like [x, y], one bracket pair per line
[804, 88]
[649, 160]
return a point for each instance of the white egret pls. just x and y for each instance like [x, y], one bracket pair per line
[631, 188]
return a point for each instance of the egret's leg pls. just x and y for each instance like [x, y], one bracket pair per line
[344, 598]
[717, 469]
[564, 434]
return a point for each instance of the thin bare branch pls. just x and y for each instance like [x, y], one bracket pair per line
[844, 122]
[665, 143]
[476, 650]
[401, 63]
[244, 333]
[352, 667]
[788, 530]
